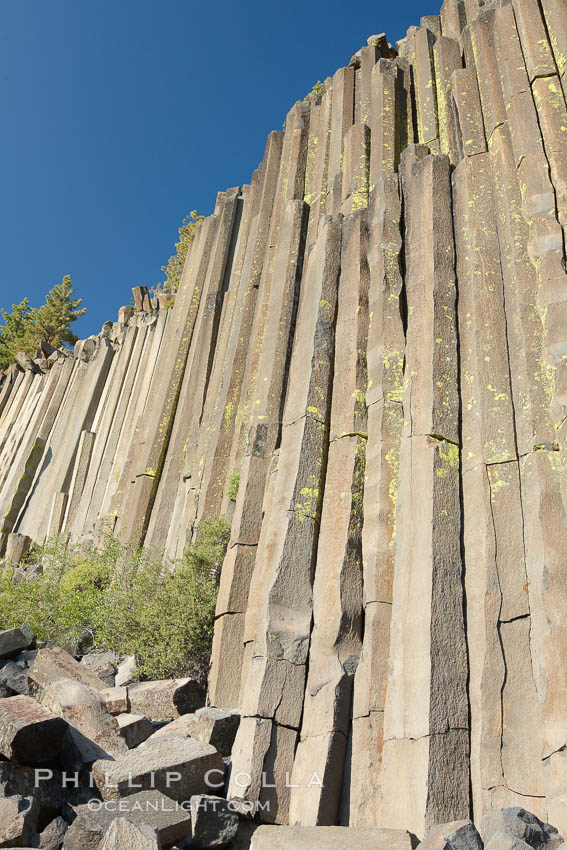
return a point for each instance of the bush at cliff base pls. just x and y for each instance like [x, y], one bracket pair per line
[120, 599]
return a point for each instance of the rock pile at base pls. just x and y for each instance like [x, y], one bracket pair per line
[82, 772]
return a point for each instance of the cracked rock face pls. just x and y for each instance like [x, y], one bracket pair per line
[370, 339]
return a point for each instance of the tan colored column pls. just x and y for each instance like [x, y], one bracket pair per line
[425, 774]
[277, 667]
[337, 591]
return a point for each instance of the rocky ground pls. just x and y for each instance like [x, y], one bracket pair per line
[92, 760]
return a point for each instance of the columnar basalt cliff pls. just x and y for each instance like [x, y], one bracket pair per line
[373, 336]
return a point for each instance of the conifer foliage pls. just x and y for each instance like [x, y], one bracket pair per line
[25, 327]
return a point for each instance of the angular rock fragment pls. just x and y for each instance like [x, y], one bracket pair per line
[18, 819]
[53, 664]
[459, 835]
[165, 699]
[181, 726]
[93, 732]
[170, 820]
[522, 825]
[125, 671]
[243, 839]
[215, 726]
[29, 733]
[52, 836]
[45, 785]
[213, 822]
[14, 676]
[134, 728]
[19, 545]
[125, 835]
[179, 767]
[103, 664]
[13, 641]
[116, 700]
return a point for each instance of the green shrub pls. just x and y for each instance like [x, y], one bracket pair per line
[124, 600]
[175, 264]
[233, 485]
[59, 605]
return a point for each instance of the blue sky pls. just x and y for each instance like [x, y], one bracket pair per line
[120, 116]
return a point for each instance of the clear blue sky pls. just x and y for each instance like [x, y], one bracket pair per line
[120, 116]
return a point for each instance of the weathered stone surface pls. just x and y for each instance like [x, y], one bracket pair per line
[517, 823]
[57, 513]
[125, 671]
[122, 834]
[103, 664]
[75, 415]
[14, 676]
[177, 766]
[153, 809]
[459, 835]
[426, 710]
[388, 116]
[384, 394]
[215, 726]
[13, 641]
[500, 841]
[53, 835]
[180, 726]
[275, 678]
[134, 728]
[125, 313]
[93, 732]
[44, 784]
[52, 664]
[329, 838]
[427, 123]
[447, 60]
[165, 699]
[535, 44]
[29, 733]
[19, 545]
[80, 471]
[342, 114]
[279, 306]
[18, 819]
[336, 636]
[243, 839]
[196, 378]
[213, 823]
[116, 700]
[465, 91]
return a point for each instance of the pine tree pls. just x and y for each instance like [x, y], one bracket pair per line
[25, 327]
[53, 319]
[16, 335]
